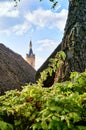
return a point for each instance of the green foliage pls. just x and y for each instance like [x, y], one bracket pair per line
[54, 64]
[5, 126]
[60, 107]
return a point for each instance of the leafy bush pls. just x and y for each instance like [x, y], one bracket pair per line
[55, 63]
[57, 108]
[60, 107]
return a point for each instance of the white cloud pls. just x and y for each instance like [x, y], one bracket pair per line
[59, 19]
[46, 43]
[40, 18]
[39, 62]
[5, 31]
[47, 18]
[20, 29]
[7, 10]
[44, 46]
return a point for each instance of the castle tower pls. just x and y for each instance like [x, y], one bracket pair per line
[30, 57]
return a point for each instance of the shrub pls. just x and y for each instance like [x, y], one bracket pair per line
[60, 107]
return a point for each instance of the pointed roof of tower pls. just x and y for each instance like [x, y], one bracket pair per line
[30, 45]
[30, 49]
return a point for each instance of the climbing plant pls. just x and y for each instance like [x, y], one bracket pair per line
[60, 107]
[54, 64]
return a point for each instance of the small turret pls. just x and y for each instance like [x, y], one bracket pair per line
[30, 57]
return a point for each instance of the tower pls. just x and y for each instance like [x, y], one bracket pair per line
[30, 57]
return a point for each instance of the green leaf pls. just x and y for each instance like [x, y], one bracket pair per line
[81, 127]
[74, 75]
[44, 125]
[5, 126]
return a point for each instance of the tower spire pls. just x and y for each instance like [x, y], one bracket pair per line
[30, 57]
[30, 45]
[30, 49]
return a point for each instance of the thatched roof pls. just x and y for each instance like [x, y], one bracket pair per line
[14, 70]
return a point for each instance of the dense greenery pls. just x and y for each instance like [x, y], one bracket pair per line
[60, 107]
[54, 64]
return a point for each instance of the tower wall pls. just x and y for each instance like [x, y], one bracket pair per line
[30, 57]
[31, 60]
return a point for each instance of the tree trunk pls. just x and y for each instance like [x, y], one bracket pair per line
[74, 40]
[73, 43]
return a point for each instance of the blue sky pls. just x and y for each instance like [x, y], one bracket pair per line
[32, 20]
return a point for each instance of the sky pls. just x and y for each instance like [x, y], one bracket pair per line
[35, 21]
